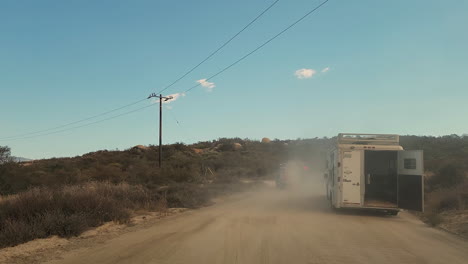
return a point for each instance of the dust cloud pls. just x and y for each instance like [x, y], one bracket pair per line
[303, 191]
[304, 178]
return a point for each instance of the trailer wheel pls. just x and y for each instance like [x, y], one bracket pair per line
[393, 212]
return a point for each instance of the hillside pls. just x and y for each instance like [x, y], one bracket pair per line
[73, 191]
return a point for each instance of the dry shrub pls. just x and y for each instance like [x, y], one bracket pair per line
[187, 195]
[442, 199]
[434, 218]
[455, 198]
[450, 175]
[68, 211]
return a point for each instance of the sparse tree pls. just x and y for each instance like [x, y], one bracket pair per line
[5, 154]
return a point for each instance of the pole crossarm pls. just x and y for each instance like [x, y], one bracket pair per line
[166, 98]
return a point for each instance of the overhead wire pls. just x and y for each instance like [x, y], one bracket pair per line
[75, 122]
[164, 89]
[259, 47]
[80, 126]
[191, 88]
[221, 47]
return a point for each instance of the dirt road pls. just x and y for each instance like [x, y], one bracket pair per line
[273, 226]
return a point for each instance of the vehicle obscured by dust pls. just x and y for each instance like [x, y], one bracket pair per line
[301, 177]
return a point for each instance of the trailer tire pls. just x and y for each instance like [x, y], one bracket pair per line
[393, 212]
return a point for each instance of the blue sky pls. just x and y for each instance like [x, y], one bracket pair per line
[394, 67]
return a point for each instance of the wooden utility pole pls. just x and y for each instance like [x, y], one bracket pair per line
[160, 130]
[166, 98]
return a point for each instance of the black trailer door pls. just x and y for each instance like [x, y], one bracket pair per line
[410, 180]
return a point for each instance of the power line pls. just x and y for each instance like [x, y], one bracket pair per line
[218, 49]
[165, 88]
[84, 125]
[73, 123]
[261, 46]
[216, 74]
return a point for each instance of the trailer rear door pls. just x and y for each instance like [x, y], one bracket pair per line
[352, 170]
[410, 180]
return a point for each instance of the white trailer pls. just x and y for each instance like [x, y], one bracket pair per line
[373, 171]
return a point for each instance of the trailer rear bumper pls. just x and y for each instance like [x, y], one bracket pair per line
[359, 206]
[393, 211]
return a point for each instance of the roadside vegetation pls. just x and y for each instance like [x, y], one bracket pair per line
[42, 212]
[447, 198]
[446, 185]
[66, 196]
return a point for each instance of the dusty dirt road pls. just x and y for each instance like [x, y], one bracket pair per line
[273, 226]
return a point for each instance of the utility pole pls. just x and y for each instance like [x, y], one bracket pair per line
[160, 130]
[166, 98]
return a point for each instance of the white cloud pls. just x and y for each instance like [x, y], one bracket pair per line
[174, 98]
[208, 85]
[305, 73]
[325, 69]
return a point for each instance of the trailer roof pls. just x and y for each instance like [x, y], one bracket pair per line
[375, 139]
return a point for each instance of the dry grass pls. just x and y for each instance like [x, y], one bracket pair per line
[456, 221]
[443, 199]
[70, 210]
[442, 203]
[434, 219]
